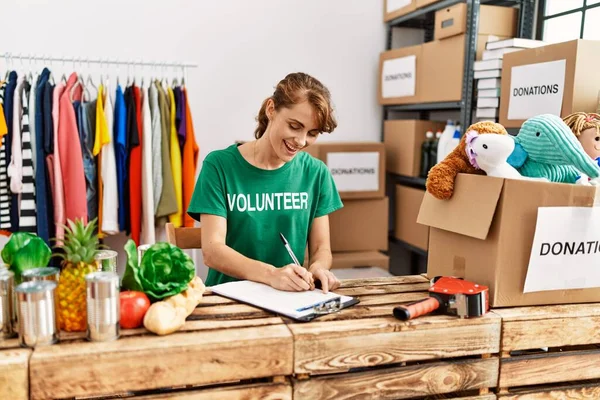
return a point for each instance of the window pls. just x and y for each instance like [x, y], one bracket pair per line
[563, 20]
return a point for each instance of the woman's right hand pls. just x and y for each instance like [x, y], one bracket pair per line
[292, 278]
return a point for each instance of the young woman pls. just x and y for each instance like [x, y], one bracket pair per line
[249, 194]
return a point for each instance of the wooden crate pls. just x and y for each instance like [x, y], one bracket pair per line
[14, 370]
[222, 342]
[550, 352]
[364, 352]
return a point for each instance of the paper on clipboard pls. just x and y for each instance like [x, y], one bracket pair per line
[296, 305]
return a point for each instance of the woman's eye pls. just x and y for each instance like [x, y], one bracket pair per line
[597, 138]
[294, 127]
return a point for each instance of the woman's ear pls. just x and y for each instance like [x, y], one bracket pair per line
[270, 109]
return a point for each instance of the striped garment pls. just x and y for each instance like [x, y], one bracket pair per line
[4, 192]
[28, 220]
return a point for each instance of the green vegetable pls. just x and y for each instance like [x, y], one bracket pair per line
[165, 270]
[24, 251]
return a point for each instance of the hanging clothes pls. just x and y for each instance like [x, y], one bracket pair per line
[9, 98]
[148, 235]
[175, 218]
[72, 166]
[58, 192]
[120, 136]
[168, 200]
[48, 150]
[27, 214]
[87, 138]
[179, 116]
[4, 189]
[108, 198]
[135, 168]
[157, 182]
[32, 126]
[190, 160]
[15, 166]
[41, 183]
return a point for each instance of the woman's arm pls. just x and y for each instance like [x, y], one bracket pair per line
[217, 255]
[319, 247]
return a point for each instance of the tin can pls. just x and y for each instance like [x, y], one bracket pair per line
[36, 313]
[8, 313]
[45, 274]
[103, 306]
[41, 274]
[107, 260]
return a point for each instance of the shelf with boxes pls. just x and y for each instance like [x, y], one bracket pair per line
[436, 75]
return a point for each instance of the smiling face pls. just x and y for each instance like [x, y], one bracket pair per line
[590, 140]
[291, 129]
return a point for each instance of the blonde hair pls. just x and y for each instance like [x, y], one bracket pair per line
[296, 88]
[580, 121]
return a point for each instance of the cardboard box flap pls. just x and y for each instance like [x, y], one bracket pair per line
[471, 209]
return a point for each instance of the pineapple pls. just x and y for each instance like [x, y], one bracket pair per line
[79, 249]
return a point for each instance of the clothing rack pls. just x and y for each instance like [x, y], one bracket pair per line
[9, 56]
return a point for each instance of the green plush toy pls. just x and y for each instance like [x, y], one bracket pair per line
[546, 148]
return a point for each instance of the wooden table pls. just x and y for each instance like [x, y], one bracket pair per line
[229, 350]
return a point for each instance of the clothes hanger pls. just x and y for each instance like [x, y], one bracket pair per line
[183, 71]
[78, 82]
[90, 82]
[30, 74]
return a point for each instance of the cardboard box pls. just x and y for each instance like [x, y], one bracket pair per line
[441, 69]
[400, 75]
[403, 140]
[361, 225]
[423, 3]
[493, 20]
[395, 8]
[408, 204]
[358, 259]
[556, 79]
[485, 232]
[358, 168]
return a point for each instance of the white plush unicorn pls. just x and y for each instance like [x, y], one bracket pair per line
[490, 152]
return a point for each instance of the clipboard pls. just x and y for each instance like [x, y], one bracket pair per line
[299, 306]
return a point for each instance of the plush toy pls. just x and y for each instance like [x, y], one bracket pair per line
[490, 152]
[440, 180]
[546, 148]
[586, 127]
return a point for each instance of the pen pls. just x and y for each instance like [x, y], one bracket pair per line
[293, 256]
[288, 248]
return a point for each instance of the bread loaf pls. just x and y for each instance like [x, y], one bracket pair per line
[167, 316]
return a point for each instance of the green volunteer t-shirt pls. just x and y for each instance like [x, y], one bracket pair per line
[258, 204]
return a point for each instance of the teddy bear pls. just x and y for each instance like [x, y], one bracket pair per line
[440, 179]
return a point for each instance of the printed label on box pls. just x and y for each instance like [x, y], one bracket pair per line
[393, 5]
[536, 89]
[354, 171]
[399, 77]
[566, 250]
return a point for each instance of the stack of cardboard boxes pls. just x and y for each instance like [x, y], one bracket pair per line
[433, 71]
[359, 231]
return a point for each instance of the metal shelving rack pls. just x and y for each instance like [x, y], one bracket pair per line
[424, 18]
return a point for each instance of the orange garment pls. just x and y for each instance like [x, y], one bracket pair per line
[190, 162]
[135, 173]
[72, 165]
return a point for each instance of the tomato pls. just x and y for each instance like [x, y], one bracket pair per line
[133, 308]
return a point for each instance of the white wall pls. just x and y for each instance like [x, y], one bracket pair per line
[242, 48]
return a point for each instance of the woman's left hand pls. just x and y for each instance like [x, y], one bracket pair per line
[327, 278]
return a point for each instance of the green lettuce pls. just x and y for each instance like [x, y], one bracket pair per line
[24, 251]
[165, 270]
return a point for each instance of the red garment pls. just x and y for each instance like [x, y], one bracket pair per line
[135, 173]
[72, 165]
[190, 162]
